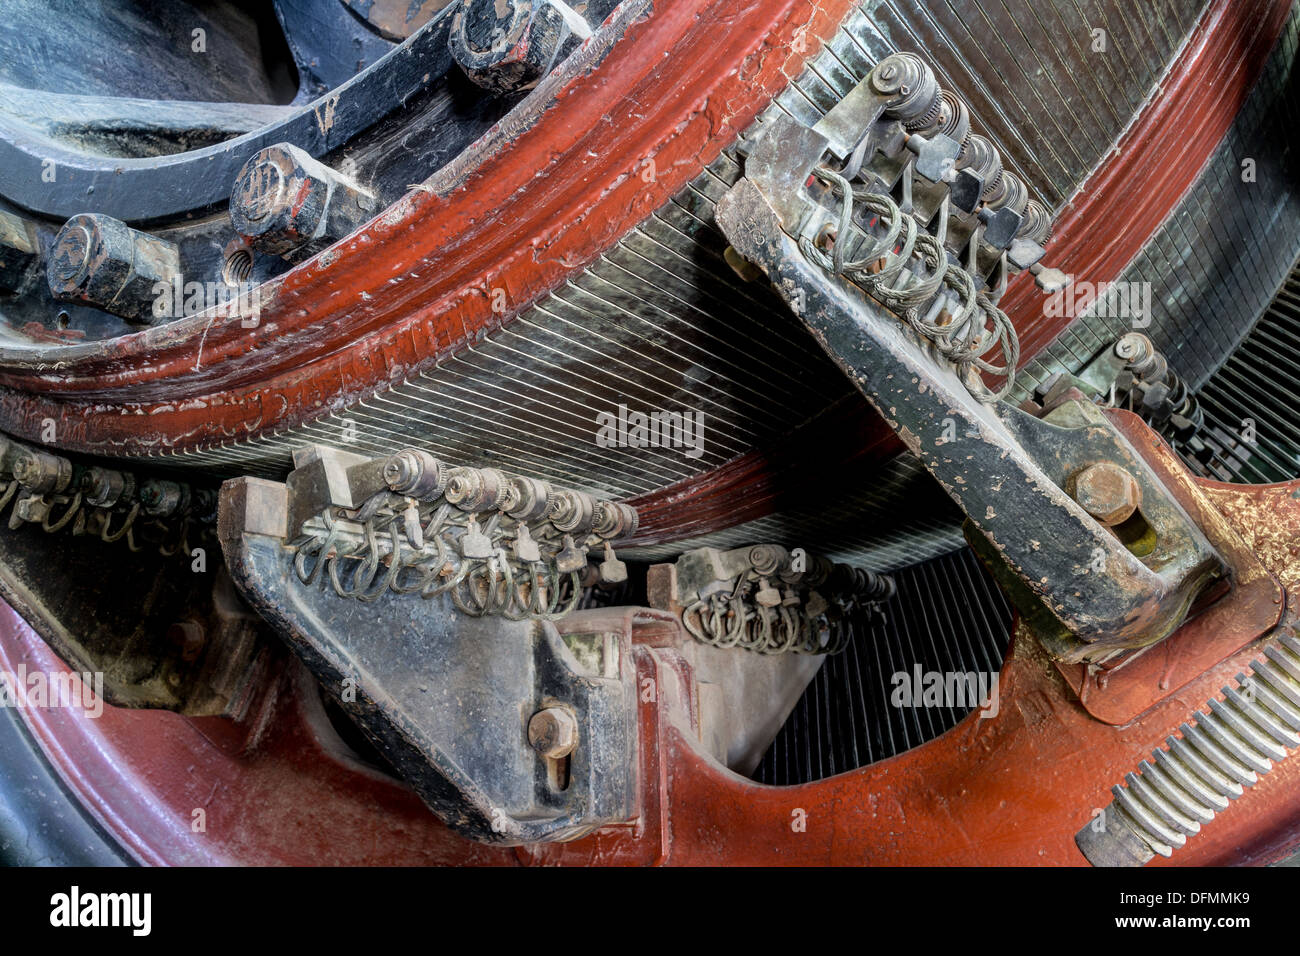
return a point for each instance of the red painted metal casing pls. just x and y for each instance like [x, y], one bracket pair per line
[1012, 788]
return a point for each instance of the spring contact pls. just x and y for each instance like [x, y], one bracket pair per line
[904, 268]
[755, 613]
[495, 544]
[58, 495]
[367, 561]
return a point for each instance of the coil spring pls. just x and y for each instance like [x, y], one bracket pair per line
[927, 120]
[383, 558]
[735, 617]
[981, 157]
[729, 620]
[955, 123]
[963, 337]
[79, 516]
[1037, 225]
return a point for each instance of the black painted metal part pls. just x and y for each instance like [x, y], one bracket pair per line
[448, 699]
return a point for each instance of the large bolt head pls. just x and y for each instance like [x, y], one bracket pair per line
[103, 261]
[90, 258]
[262, 187]
[1107, 492]
[288, 204]
[276, 203]
[505, 46]
[72, 254]
[553, 732]
[190, 637]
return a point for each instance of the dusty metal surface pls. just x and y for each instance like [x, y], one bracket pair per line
[1123, 688]
[250, 387]
[277, 788]
[1011, 788]
[467, 380]
[1011, 473]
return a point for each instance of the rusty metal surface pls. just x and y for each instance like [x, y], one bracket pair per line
[1009, 471]
[1011, 789]
[279, 788]
[1122, 689]
[396, 19]
[380, 419]
[1220, 253]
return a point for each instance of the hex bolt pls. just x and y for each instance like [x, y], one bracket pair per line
[105, 487]
[553, 732]
[104, 262]
[286, 203]
[160, 498]
[20, 252]
[506, 47]
[1107, 492]
[40, 472]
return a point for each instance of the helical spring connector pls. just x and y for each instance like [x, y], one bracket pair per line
[949, 116]
[56, 494]
[903, 267]
[496, 544]
[910, 83]
[1011, 192]
[1037, 224]
[753, 612]
[981, 157]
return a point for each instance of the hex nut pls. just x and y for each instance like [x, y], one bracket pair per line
[286, 203]
[506, 46]
[553, 732]
[1107, 492]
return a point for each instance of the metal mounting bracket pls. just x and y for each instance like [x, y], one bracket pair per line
[1013, 474]
[451, 700]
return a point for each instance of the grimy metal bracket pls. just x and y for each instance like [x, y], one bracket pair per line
[1111, 586]
[505, 730]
